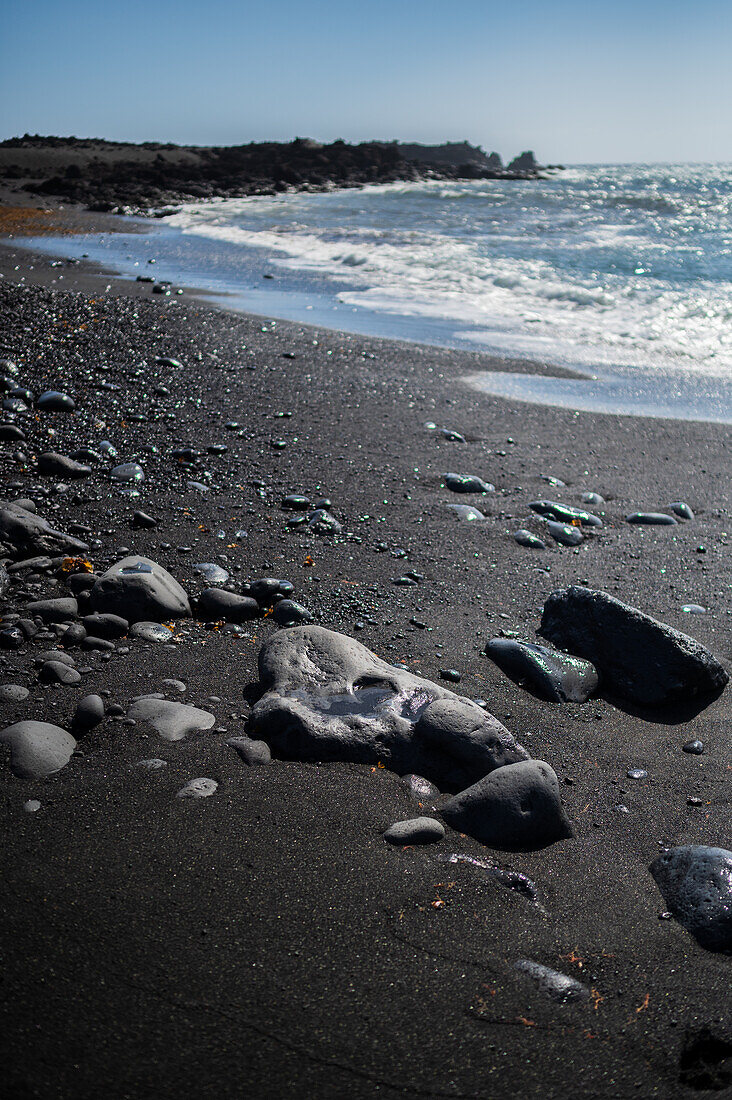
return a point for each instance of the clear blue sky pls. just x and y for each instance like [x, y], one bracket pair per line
[596, 80]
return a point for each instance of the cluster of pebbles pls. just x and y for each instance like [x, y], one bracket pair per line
[564, 524]
[322, 695]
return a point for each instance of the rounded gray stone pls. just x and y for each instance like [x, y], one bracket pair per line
[56, 672]
[88, 714]
[170, 720]
[466, 512]
[564, 533]
[51, 464]
[467, 483]
[127, 472]
[526, 538]
[217, 603]
[251, 752]
[138, 589]
[37, 749]
[516, 808]
[652, 519]
[105, 626]
[54, 611]
[59, 655]
[470, 732]
[202, 787]
[151, 632]
[291, 613]
[13, 693]
[211, 572]
[418, 830]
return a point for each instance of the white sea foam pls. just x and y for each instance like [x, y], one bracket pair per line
[629, 265]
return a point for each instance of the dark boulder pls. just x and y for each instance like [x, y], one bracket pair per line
[137, 589]
[218, 604]
[696, 883]
[564, 513]
[639, 658]
[27, 533]
[51, 464]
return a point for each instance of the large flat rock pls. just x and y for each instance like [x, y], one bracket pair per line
[170, 720]
[327, 697]
[25, 532]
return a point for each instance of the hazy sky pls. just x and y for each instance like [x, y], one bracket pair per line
[575, 80]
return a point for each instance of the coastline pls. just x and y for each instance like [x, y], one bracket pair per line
[567, 355]
[275, 911]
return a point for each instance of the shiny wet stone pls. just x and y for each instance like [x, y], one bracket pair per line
[694, 747]
[467, 483]
[652, 519]
[211, 572]
[564, 533]
[127, 472]
[466, 512]
[526, 538]
[54, 401]
[564, 513]
[151, 632]
[553, 675]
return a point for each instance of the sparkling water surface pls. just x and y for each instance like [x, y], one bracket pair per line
[622, 273]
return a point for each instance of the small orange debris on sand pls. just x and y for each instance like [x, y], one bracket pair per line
[30, 221]
[76, 565]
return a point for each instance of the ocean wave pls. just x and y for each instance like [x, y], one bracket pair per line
[626, 264]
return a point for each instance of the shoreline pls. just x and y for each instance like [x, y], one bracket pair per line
[604, 389]
[269, 932]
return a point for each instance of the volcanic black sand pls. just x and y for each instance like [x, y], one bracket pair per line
[267, 941]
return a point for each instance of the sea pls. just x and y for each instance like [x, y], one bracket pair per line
[621, 274]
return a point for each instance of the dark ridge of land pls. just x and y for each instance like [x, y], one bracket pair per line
[123, 177]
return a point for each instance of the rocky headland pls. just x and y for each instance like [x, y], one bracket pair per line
[123, 177]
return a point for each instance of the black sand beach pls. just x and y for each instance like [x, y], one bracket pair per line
[266, 941]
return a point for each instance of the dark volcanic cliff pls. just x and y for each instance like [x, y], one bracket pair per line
[114, 175]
